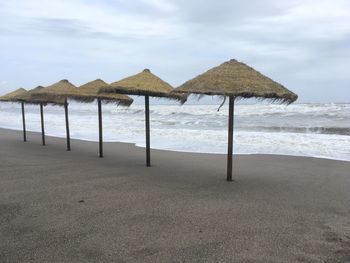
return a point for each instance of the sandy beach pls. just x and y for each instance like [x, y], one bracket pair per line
[59, 206]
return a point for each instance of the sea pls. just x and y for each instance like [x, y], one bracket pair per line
[315, 130]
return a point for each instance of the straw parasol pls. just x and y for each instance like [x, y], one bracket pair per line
[28, 98]
[57, 92]
[236, 80]
[13, 97]
[144, 84]
[90, 91]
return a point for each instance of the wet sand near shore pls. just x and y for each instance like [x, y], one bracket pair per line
[59, 206]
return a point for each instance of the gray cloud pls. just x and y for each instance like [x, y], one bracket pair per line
[63, 27]
[228, 13]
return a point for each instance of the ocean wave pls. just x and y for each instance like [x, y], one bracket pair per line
[317, 130]
[320, 130]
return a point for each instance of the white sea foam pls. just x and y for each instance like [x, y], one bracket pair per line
[320, 130]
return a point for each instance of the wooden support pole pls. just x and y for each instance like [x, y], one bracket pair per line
[42, 124]
[230, 138]
[24, 123]
[67, 124]
[99, 103]
[148, 150]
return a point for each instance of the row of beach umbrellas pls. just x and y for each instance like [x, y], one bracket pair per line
[231, 79]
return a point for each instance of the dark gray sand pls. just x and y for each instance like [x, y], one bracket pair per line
[59, 206]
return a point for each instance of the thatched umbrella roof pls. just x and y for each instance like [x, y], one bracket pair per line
[56, 92]
[28, 97]
[13, 95]
[142, 84]
[90, 91]
[238, 80]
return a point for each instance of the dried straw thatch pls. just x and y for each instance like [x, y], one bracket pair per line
[90, 91]
[59, 91]
[28, 97]
[144, 83]
[13, 96]
[238, 80]
[56, 92]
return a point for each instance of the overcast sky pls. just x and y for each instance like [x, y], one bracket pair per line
[303, 44]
